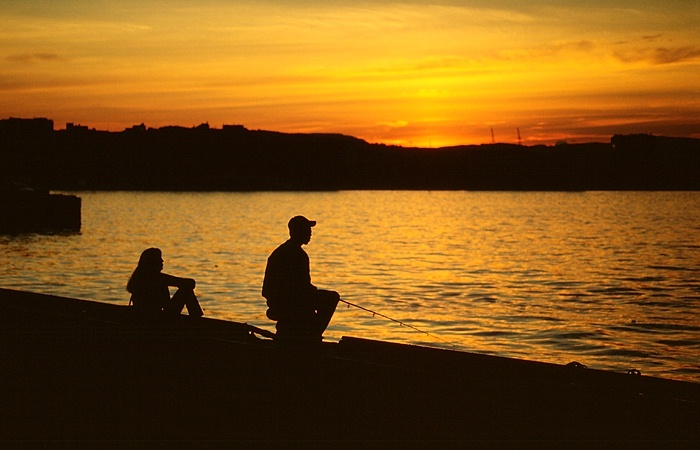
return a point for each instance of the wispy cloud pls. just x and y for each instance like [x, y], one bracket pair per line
[35, 57]
[663, 55]
[660, 55]
[556, 49]
[394, 124]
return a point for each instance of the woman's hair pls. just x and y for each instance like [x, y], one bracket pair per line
[149, 263]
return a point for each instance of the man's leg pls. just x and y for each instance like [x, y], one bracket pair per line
[326, 303]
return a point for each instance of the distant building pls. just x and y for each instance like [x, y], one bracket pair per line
[137, 128]
[15, 126]
[70, 126]
[234, 128]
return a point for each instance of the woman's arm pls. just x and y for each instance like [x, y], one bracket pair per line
[183, 283]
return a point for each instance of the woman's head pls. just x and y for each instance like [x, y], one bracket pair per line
[151, 260]
[150, 263]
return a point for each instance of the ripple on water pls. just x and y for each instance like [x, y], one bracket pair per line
[623, 352]
[615, 291]
[496, 333]
[677, 327]
[675, 269]
[690, 343]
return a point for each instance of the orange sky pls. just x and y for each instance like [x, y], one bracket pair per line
[414, 72]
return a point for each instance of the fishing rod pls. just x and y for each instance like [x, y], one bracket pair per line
[401, 323]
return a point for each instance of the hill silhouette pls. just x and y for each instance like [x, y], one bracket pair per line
[234, 158]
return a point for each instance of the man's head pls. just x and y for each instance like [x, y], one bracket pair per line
[300, 229]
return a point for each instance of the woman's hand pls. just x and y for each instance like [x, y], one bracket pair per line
[188, 283]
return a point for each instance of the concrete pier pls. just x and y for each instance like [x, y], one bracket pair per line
[76, 370]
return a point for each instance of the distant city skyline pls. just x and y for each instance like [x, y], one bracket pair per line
[425, 73]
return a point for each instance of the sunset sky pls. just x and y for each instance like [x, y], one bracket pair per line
[412, 72]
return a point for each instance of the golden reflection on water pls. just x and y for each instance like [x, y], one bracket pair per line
[606, 279]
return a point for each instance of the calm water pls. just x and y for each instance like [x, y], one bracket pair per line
[610, 280]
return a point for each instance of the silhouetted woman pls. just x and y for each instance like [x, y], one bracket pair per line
[149, 288]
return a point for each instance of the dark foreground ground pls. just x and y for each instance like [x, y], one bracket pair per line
[85, 374]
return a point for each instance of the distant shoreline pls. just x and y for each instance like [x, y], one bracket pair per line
[239, 160]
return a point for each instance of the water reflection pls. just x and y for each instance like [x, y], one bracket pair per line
[607, 279]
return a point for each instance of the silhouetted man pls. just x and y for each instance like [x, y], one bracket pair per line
[301, 310]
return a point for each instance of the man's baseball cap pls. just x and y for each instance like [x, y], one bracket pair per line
[300, 222]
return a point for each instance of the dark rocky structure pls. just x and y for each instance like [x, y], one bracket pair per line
[28, 210]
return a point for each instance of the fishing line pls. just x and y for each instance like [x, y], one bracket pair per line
[404, 324]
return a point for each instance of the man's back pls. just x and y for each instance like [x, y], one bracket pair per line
[287, 278]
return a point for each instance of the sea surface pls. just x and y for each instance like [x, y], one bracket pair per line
[607, 279]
